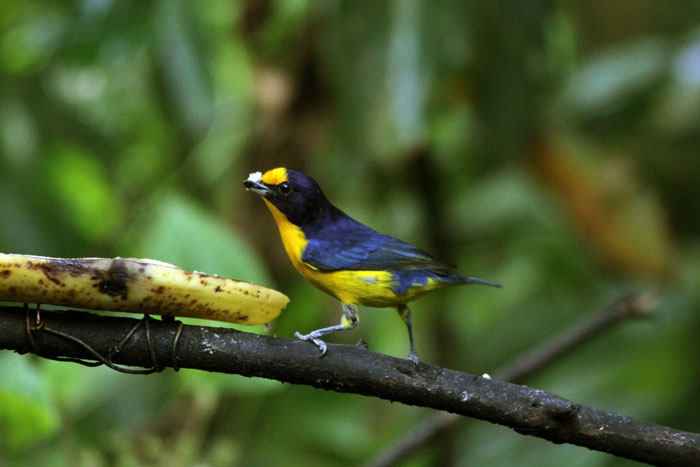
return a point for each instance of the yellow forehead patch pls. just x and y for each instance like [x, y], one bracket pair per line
[275, 176]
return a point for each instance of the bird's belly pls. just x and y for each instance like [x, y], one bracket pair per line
[369, 288]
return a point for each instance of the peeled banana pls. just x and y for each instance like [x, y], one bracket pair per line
[135, 285]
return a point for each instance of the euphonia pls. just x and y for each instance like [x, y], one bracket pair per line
[344, 258]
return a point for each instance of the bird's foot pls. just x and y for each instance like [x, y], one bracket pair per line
[412, 356]
[362, 343]
[318, 342]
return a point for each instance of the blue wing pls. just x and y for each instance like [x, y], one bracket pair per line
[354, 246]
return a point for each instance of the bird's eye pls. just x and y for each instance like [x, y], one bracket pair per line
[285, 188]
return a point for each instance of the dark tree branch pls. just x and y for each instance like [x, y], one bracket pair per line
[632, 306]
[357, 370]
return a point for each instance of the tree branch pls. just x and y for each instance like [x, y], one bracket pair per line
[632, 306]
[357, 370]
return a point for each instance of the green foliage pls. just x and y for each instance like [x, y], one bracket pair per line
[26, 412]
[79, 183]
[178, 231]
[550, 147]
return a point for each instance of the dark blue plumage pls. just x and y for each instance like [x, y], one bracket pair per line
[347, 244]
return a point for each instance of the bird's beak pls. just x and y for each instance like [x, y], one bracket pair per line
[254, 184]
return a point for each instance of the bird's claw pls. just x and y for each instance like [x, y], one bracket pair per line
[318, 342]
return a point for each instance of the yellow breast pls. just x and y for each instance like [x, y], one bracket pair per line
[369, 288]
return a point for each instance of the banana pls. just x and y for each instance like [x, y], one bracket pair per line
[137, 286]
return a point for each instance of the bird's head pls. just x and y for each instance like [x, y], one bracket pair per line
[293, 193]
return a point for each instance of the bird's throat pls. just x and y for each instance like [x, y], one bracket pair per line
[293, 237]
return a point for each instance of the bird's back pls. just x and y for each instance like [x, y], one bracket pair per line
[359, 265]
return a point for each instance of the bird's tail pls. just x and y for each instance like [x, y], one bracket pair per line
[454, 279]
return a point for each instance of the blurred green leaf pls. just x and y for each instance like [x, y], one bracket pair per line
[26, 413]
[27, 44]
[18, 134]
[181, 58]
[608, 80]
[229, 129]
[76, 389]
[198, 381]
[82, 189]
[180, 232]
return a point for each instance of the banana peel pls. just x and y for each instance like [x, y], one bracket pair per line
[135, 285]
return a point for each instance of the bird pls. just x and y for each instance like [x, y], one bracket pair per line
[345, 258]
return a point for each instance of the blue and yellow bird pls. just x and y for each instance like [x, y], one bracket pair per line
[344, 258]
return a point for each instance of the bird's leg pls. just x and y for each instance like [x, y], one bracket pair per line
[348, 321]
[405, 313]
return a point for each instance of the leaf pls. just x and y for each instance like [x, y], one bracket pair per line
[26, 413]
[182, 233]
[81, 186]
